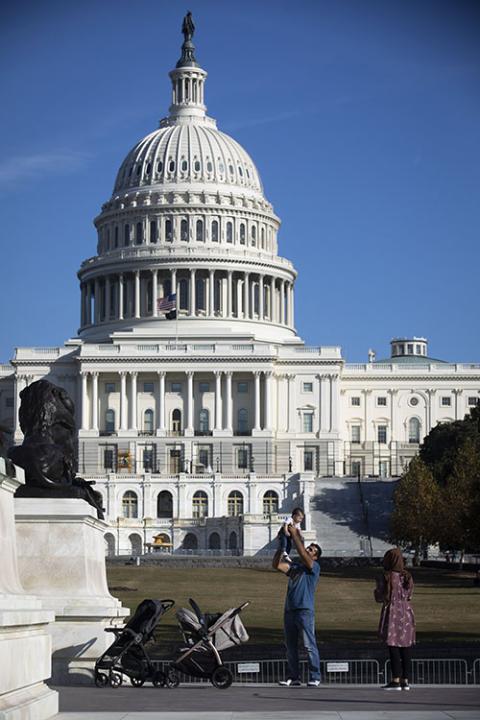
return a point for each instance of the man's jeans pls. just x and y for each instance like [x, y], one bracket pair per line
[301, 623]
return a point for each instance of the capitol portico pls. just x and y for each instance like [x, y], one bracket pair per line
[200, 430]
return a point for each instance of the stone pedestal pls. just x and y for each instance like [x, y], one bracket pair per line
[61, 558]
[25, 643]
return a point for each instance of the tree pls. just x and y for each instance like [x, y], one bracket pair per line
[417, 499]
[460, 507]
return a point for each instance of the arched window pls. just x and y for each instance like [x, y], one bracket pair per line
[148, 421]
[235, 503]
[130, 504]
[116, 236]
[253, 234]
[183, 294]
[135, 544]
[109, 545]
[177, 421]
[242, 420]
[184, 230]
[165, 504]
[229, 232]
[200, 504]
[214, 541]
[242, 234]
[126, 235]
[263, 238]
[270, 502]
[215, 231]
[204, 421]
[200, 293]
[168, 230]
[190, 542]
[110, 421]
[153, 231]
[414, 430]
[139, 234]
[199, 230]
[232, 541]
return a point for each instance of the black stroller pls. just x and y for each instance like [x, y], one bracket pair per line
[127, 654]
[205, 636]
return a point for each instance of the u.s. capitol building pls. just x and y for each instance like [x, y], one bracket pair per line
[199, 430]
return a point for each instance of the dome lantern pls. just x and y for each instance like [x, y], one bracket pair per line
[188, 79]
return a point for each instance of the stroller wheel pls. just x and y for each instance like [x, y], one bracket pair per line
[137, 681]
[173, 680]
[221, 678]
[159, 679]
[100, 679]
[115, 679]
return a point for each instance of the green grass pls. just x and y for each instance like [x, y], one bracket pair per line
[445, 602]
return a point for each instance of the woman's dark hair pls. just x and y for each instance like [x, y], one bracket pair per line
[298, 509]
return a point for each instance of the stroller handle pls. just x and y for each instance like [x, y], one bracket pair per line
[241, 607]
[167, 604]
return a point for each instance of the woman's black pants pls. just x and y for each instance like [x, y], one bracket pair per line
[401, 660]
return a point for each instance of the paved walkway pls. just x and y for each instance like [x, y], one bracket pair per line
[270, 702]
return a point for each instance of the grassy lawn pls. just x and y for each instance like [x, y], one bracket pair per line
[445, 602]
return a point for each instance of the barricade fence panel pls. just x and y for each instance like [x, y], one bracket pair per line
[436, 671]
[476, 672]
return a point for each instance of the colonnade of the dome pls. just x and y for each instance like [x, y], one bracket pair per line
[201, 292]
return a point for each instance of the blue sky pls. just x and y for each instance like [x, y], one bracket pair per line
[362, 117]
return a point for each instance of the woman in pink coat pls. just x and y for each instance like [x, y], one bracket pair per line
[397, 622]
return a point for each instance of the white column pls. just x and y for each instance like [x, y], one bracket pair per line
[173, 283]
[218, 400]
[120, 296]
[229, 294]
[211, 293]
[260, 297]
[189, 427]
[256, 400]
[324, 403]
[229, 405]
[193, 300]
[252, 299]
[292, 306]
[94, 401]
[268, 401]
[334, 403]
[137, 293]
[84, 400]
[123, 400]
[107, 299]
[97, 301]
[154, 292]
[291, 403]
[289, 304]
[161, 401]
[432, 410]
[133, 400]
[246, 311]
[272, 299]
[282, 302]
[83, 305]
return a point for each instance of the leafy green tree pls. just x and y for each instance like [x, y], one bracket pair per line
[459, 520]
[417, 499]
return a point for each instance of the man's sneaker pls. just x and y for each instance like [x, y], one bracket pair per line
[290, 682]
[404, 685]
[392, 686]
[313, 683]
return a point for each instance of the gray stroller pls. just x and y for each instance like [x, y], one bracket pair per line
[205, 636]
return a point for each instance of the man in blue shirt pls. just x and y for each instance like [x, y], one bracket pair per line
[299, 617]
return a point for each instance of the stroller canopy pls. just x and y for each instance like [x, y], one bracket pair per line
[224, 631]
[146, 617]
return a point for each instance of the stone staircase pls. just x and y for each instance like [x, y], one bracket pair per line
[338, 515]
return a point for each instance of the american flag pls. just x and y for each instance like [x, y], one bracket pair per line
[168, 303]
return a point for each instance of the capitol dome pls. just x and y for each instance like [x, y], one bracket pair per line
[188, 217]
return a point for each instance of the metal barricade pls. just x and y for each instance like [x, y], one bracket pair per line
[436, 671]
[476, 672]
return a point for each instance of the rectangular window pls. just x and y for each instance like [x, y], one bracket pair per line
[109, 457]
[110, 387]
[148, 387]
[176, 387]
[382, 401]
[472, 401]
[356, 468]
[308, 460]
[307, 422]
[409, 349]
[307, 387]
[242, 458]
[204, 457]
[382, 434]
[242, 387]
[355, 401]
[446, 401]
[355, 430]
[204, 387]
[148, 458]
